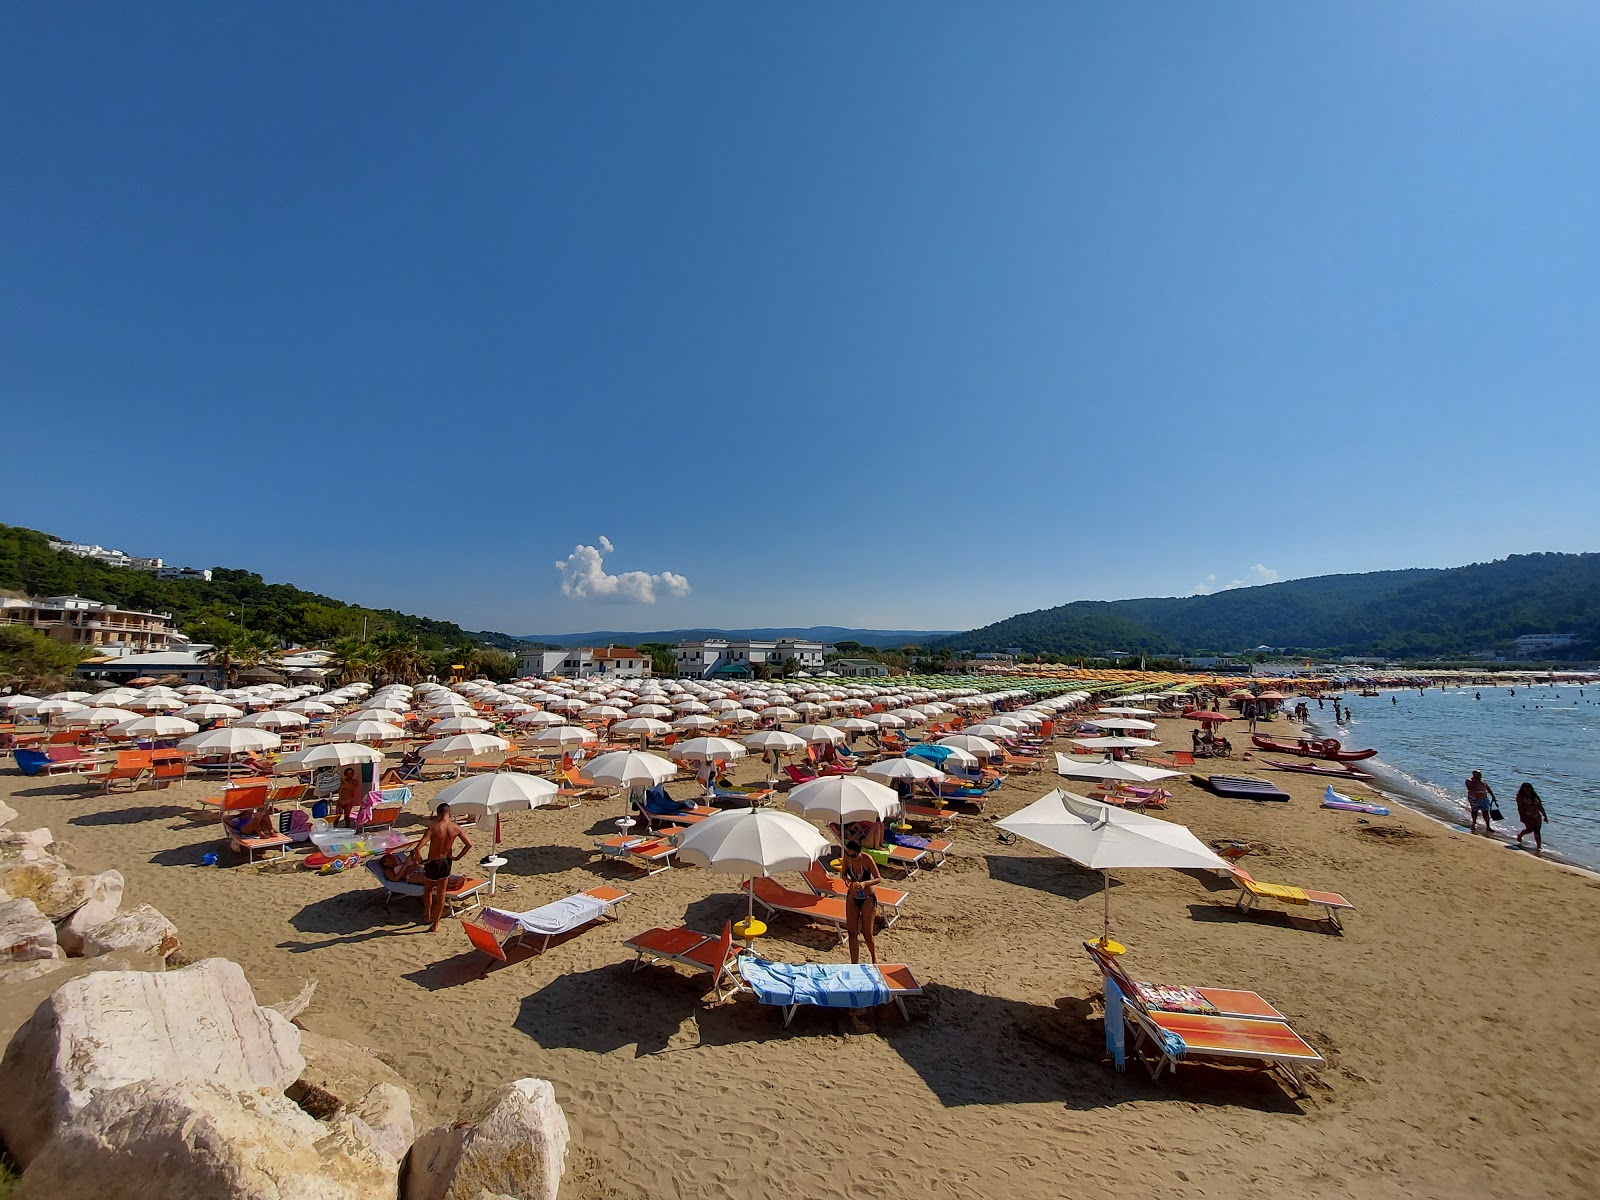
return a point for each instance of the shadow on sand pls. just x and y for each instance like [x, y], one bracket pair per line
[1057, 875]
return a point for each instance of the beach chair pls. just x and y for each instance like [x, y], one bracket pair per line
[31, 762]
[799, 774]
[232, 799]
[754, 797]
[825, 910]
[1166, 997]
[547, 921]
[826, 985]
[824, 884]
[652, 854]
[1164, 1039]
[131, 767]
[919, 858]
[232, 808]
[69, 758]
[938, 818]
[1251, 893]
[461, 896]
[688, 948]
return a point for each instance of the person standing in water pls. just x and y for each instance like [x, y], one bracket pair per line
[1480, 800]
[1530, 809]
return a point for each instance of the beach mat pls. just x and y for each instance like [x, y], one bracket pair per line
[1242, 788]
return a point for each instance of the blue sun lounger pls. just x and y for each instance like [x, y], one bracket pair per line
[826, 985]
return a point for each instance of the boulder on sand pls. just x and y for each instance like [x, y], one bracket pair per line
[7, 813]
[26, 934]
[193, 1141]
[339, 1074]
[105, 1030]
[514, 1145]
[141, 930]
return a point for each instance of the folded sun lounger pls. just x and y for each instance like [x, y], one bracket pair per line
[654, 854]
[1167, 997]
[826, 985]
[1252, 893]
[1171, 1037]
[546, 921]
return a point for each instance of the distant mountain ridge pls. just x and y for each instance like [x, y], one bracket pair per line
[816, 633]
[1421, 612]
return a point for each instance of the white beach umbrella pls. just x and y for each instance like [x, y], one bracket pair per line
[210, 712]
[632, 769]
[752, 843]
[709, 749]
[98, 718]
[55, 708]
[460, 725]
[887, 720]
[779, 713]
[913, 769]
[366, 731]
[816, 734]
[153, 703]
[853, 725]
[657, 711]
[972, 744]
[539, 719]
[230, 741]
[841, 799]
[157, 726]
[330, 754]
[694, 721]
[1114, 743]
[642, 728]
[466, 745]
[388, 716]
[565, 737]
[777, 743]
[277, 718]
[603, 712]
[69, 696]
[1128, 723]
[1105, 768]
[1105, 839]
[504, 791]
[112, 699]
[1124, 711]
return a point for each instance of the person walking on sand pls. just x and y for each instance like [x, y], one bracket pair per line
[438, 855]
[1530, 810]
[1481, 800]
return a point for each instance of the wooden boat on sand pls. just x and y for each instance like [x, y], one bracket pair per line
[1328, 748]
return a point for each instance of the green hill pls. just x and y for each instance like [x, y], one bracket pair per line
[1413, 613]
[233, 601]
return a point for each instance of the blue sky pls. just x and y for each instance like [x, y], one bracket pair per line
[907, 315]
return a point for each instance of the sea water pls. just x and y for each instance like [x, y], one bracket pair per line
[1429, 743]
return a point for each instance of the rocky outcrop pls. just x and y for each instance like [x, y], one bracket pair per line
[195, 1141]
[106, 1030]
[7, 813]
[339, 1075]
[26, 934]
[140, 930]
[386, 1112]
[515, 1145]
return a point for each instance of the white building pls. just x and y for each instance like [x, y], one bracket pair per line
[584, 662]
[182, 572]
[111, 558]
[860, 668]
[697, 660]
[1531, 645]
[103, 628]
[621, 661]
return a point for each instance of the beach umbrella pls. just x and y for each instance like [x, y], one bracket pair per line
[695, 721]
[564, 737]
[1114, 743]
[1127, 723]
[1103, 838]
[603, 712]
[752, 843]
[210, 712]
[632, 769]
[366, 731]
[99, 718]
[841, 799]
[887, 720]
[1202, 714]
[903, 768]
[709, 749]
[816, 734]
[56, 708]
[230, 741]
[466, 745]
[69, 695]
[460, 725]
[972, 744]
[154, 727]
[153, 703]
[504, 791]
[1124, 711]
[777, 743]
[1105, 768]
[277, 718]
[942, 756]
[852, 725]
[656, 711]
[389, 716]
[779, 713]
[330, 754]
[643, 728]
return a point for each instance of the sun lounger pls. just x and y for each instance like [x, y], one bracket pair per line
[923, 858]
[825, 910]
[132, 768]
[1251, 893]
[233, 809]
[463, 897]
[826, 985]
[823, 884]
[941, 819]
[547, 921]
[1166, 997]
[688, 815]
[687, 948]
[755, 797]
[653, 854]
[1164, 1039]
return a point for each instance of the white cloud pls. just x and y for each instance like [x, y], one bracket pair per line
[1255, 576]
[584, 577]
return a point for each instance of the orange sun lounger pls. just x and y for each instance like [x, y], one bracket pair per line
[547, 921]
[1172, 1037]
[1225, 1002]
[689, 948]
[654, 854]
[826, 910]
[1251, 893]
[823, 884]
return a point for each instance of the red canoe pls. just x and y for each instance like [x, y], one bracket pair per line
[1327, 748]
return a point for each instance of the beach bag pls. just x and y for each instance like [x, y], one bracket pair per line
[1494, 811]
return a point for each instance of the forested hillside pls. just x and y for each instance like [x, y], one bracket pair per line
[1413, 613]
[232, 603]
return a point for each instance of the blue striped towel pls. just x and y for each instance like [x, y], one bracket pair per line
[828, 985]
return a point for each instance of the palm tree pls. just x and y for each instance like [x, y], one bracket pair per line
[353, 659]
[402, 664]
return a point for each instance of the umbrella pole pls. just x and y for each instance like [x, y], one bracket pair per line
[1105, 890]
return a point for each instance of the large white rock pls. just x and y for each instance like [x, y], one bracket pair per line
[386, 1112]
[7, 813]
[112, 1028]
[198, 1142]
[515, 1145]
[141, 930]
[340, 1075]
[28, 869]
[71, 931]
[26, 933]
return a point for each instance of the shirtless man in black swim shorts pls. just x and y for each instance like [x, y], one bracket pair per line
[438, 855]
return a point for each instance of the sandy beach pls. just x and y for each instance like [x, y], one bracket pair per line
[1454, 1010]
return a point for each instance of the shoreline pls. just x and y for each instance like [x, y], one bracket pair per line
[1395, 785]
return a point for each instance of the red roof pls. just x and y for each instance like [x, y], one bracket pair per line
[618, 652]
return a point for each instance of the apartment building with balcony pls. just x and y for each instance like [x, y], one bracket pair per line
[101, 628]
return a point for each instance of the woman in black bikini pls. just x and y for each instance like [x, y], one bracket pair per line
[860, 875]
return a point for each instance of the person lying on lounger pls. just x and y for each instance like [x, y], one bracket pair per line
[257, 824]
[401, 870]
